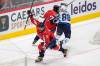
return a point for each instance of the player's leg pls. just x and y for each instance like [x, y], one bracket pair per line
[58, 47]
[67, 33]
[64, 51]
[35, 39]
[53, 45]
[67, 30]
[41, 52]
[59, 32]
[59, 29]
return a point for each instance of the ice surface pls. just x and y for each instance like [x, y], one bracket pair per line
[81, 51]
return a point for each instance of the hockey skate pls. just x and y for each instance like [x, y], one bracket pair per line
[39, 59]
[64, 51]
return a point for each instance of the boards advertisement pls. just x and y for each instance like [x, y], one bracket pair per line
[15, 20]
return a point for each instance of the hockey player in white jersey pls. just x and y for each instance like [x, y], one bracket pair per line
[64, 26]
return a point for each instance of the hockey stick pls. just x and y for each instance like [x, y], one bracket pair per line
[68, 3]
[71, 2]
[28, 16]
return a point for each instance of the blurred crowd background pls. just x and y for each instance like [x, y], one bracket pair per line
[9, 4]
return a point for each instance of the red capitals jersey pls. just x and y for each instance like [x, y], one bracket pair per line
[47, 36]
[49, 15]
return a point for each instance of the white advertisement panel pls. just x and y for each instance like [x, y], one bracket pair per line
[15, 20]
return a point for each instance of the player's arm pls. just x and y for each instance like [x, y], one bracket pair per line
[33, 20]
[68, 17]
[49, 15]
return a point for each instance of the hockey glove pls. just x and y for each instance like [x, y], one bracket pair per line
[29, 13]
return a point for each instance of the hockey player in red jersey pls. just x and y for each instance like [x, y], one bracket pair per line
[50, 18]
[49, 40]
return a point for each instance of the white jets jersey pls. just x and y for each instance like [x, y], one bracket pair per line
[64, 16]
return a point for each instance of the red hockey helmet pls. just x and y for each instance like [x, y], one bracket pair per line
[56, 8]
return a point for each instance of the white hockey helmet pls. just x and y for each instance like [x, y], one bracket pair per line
[63, 7]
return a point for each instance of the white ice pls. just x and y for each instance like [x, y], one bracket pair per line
[20, 52]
